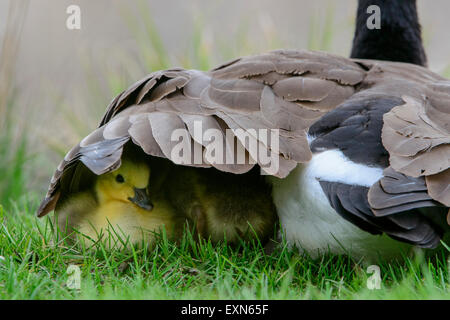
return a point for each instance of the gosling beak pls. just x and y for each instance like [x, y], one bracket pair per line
[141, 199]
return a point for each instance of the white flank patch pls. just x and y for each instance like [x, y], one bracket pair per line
[334, 166]
[312, 224]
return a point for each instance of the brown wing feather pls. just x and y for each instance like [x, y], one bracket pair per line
[259, 92]
[417, 137]
[439, 187]
[396, 192]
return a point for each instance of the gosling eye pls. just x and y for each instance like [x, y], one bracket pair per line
[120, 178]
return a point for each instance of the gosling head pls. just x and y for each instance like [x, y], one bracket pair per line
[128, 184]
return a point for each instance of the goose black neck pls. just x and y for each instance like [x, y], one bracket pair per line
[398, 39]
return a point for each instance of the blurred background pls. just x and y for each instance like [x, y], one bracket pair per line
[55, 83]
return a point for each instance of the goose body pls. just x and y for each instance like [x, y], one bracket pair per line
[333, 190]
[373, 135]
[313, 225]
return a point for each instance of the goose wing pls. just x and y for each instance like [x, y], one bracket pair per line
[409, 139]
[417, 137]
[283, 90]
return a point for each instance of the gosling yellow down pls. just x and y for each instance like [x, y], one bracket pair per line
[118, 208]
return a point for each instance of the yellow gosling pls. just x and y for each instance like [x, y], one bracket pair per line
[119, 205]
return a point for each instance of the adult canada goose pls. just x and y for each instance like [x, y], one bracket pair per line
[377, 183]
[340, 198]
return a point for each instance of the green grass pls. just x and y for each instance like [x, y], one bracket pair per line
[35, 262]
